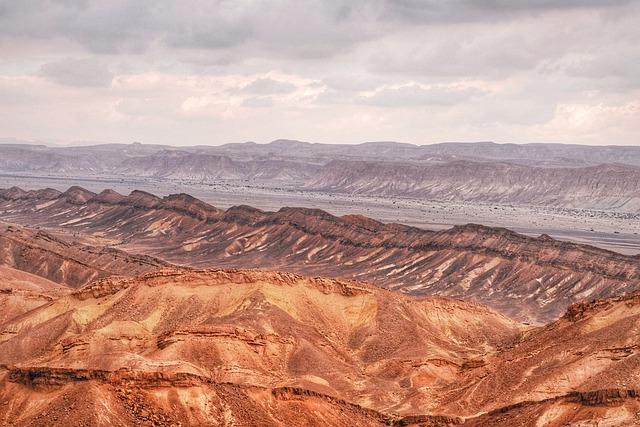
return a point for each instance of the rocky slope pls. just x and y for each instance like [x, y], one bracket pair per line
[527, 278]
[593, 346]
[265, 334]
[21, 292]
[582, 368]
[248, 347]
[95, 398]
[65, 261]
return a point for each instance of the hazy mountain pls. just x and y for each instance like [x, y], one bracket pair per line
[535, 174]
[549, 154]
[606, 186]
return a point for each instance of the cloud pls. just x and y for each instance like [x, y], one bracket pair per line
[325, 69]
[437, 11]
[85, 72]
[414, 95]
[268, 86]
[307, 28]
[258, 102]
[294, 28]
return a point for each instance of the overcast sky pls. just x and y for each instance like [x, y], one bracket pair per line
[420, 71]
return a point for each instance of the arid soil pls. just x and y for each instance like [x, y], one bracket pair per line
[67, 261]
[249, 347]
[139, 310]
[529, 279]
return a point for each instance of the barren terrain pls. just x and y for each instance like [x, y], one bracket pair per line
[110, 319]
[531, 279]
[618, 231]
[186, 294]
[246, 347]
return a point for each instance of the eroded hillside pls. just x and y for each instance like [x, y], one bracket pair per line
[249, 347]
[65, 261]
[527, 278]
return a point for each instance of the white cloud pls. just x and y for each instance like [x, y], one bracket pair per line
[415, 95]
[268, 86]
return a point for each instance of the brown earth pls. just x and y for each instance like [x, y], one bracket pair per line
[527, 278]
[250, 347]
[348, 339]
[21, 292]
[66, 261]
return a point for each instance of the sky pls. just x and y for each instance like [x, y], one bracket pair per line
[337, 71]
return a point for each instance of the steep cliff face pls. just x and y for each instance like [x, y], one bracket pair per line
[531, 279]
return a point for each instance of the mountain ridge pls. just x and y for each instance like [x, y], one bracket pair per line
[462, 262]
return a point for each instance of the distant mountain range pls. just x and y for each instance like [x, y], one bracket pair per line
[283, 149]
[600, 177]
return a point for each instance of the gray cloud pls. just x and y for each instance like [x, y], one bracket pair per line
[258, 102]
[303, 28]
[268, 86]
[525, 69]
[430, 11]
[85, 72]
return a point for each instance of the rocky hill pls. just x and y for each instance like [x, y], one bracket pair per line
[66, 261]
[606, 186]
[249, 347]
[532, 279]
